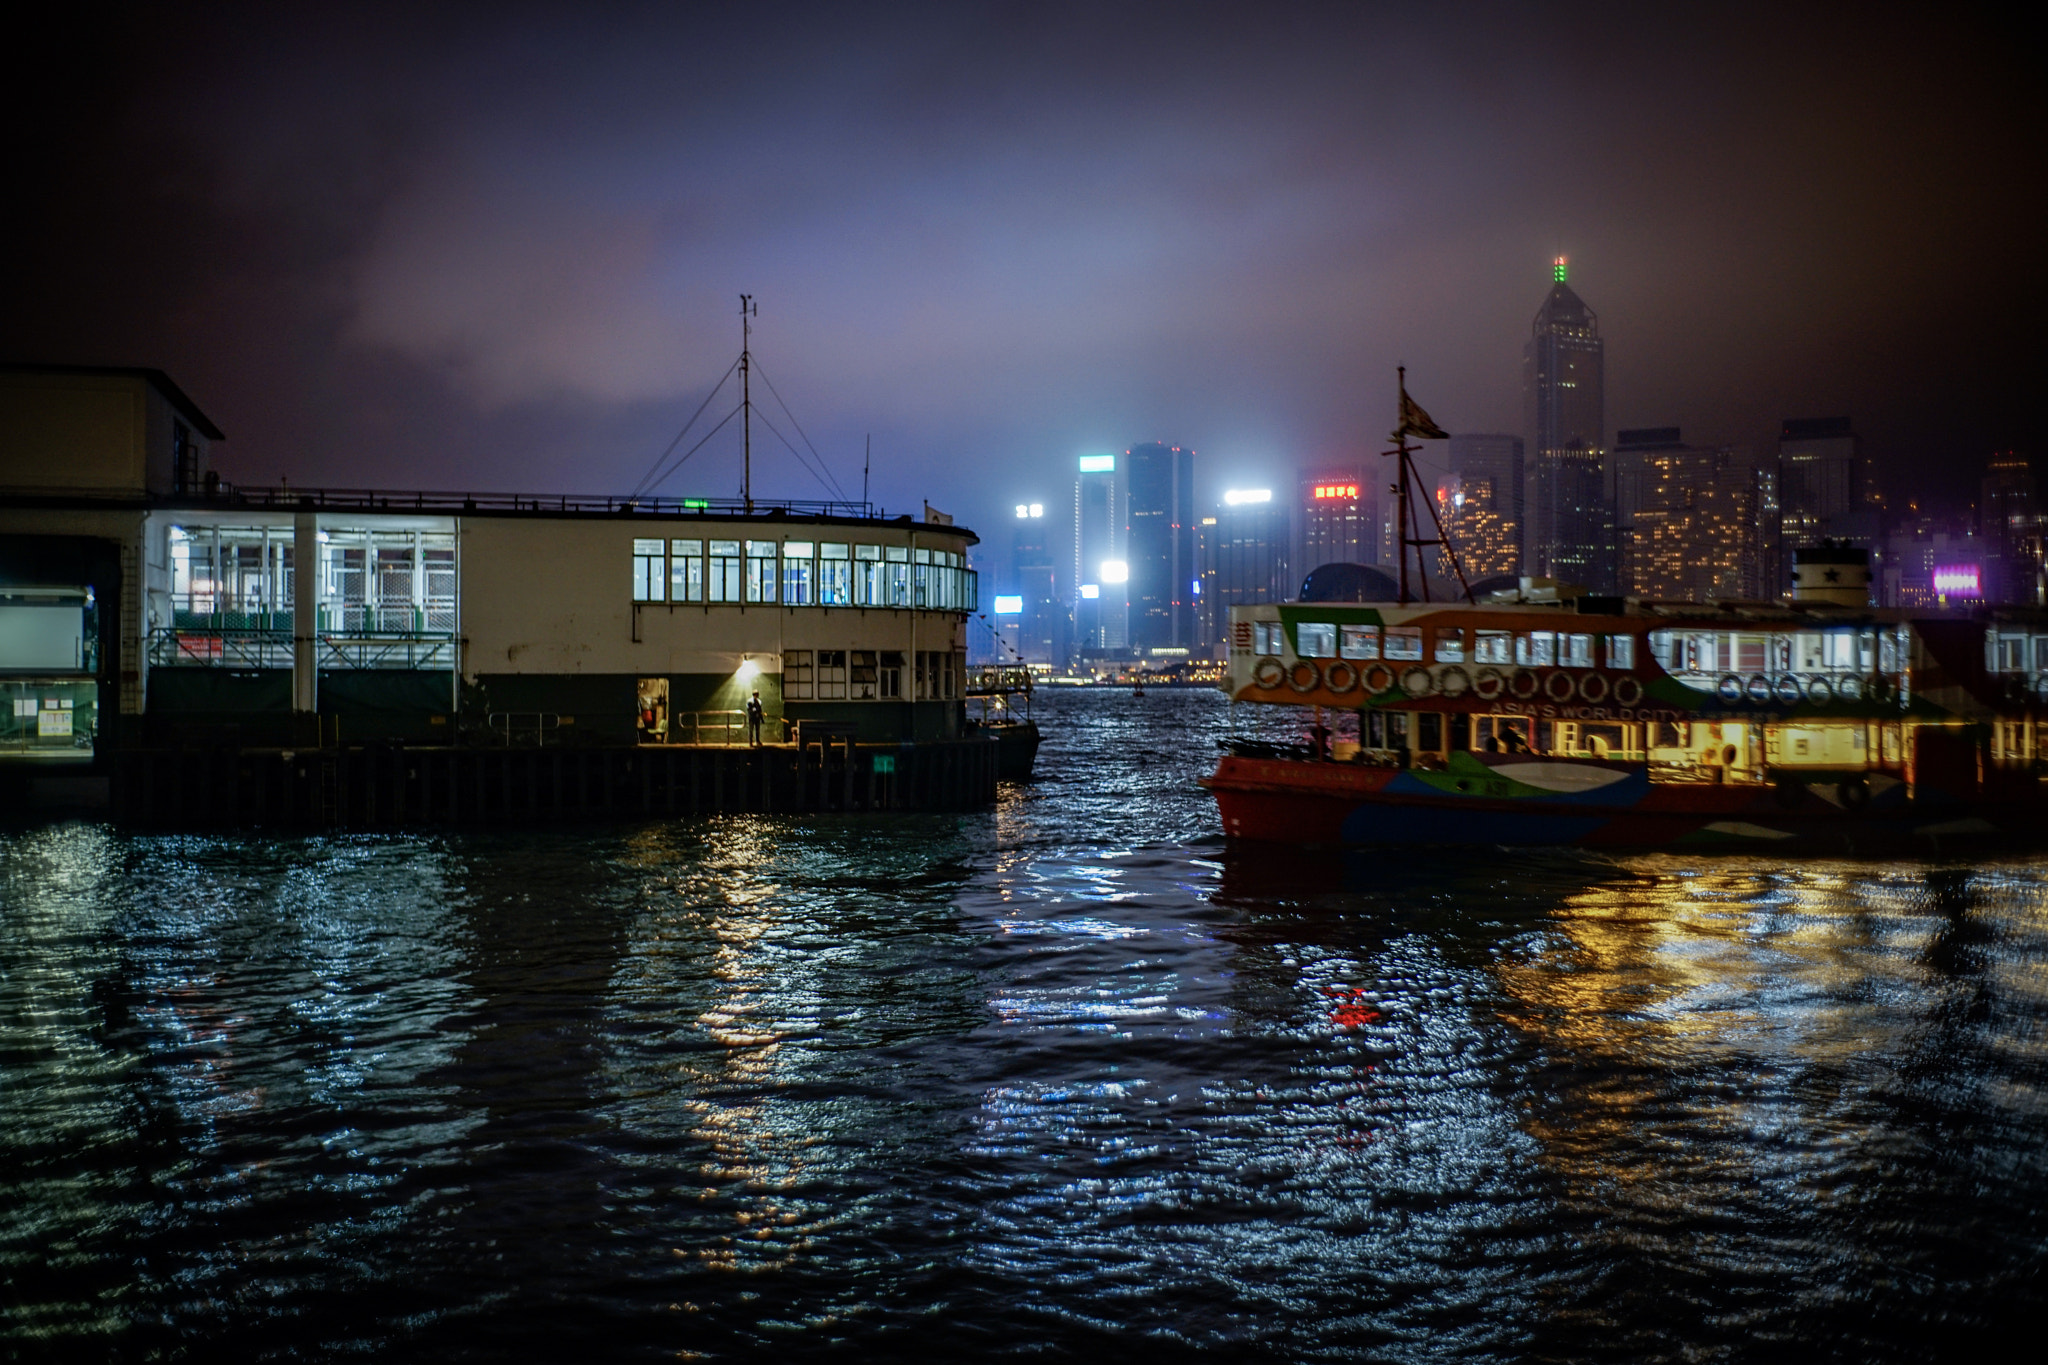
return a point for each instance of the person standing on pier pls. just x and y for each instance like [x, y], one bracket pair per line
[755, 714]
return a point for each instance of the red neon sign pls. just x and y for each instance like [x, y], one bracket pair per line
[1336, 490]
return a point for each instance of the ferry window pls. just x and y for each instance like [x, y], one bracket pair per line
[724, 572]
[1887, 653]
[1266, 637]
[1358, 642]
[796, 675]
[889, 682]
[686, 570]
[1404, 642]
[1493, 647]
[831, 674]
[1576, 651]
[1807, 652]
[835, 576]
[1315, 640]
[1666, 650]
[1866, 651]
[796, 572]
[1840, 649]
[1621, 651]
[1450, 647]
[1536, 648]
[1429, 730]
[650, 573]
[864, 674]
[761, 570]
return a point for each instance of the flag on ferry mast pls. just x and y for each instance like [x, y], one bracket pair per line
[1414, 421]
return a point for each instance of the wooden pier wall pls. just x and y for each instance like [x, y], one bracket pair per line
[378, 787]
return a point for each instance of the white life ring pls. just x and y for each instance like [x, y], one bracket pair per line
[1331, 671]
[1304, 676]
[1454, 681]
[1488, 684]
[1416, 682]
[1268, 673]
[1559, 686]
[1593, 688]
[1376, 679]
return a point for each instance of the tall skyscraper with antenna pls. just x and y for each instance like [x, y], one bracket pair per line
[1569, 531]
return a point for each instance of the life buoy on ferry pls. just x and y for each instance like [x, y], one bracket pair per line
[1268, 673]
[1758, 688]
[1303, 677]
[1849, 688]
[1627, 691]
[1880, 688]
[1488, 684]
[1820, 691]
[1376, 679]
[1524, 683]
[1454, 682]
[1559, 686]
[1416, 682]
[1729, 688]
[1340, 676]
[1593, 688]
[1788, 689]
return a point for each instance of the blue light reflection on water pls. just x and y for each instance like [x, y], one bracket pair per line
[1069, 1075]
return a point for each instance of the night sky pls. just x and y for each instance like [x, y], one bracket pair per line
[501, 247]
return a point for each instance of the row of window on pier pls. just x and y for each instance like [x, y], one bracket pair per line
[870, 674]
[1449, 645]
[244, 577]
[802, 573]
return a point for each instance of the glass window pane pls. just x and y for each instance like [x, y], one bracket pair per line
[831, 551]
[1316, 640]
[1450, 646]
[1359, 642]
[1404, 642]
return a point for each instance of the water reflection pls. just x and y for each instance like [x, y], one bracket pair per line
[1069, 1076]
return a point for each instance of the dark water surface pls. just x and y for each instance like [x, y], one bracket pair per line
[1064, 1079]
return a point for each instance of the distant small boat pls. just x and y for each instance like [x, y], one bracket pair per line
[1137, 689]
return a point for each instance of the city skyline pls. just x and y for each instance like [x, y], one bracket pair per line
[448, 248]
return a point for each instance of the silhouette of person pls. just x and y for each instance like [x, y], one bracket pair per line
[755, 713]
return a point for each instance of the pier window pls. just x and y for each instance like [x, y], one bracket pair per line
[1450, 646]
[1267, 638]
[1404, 642]
[1358, 642]
[650, 571]
[895, 576]
[1536, 649]
[796, 675]
[831, 674]
[686, 571]
[2008, 653]
[835, 575]
[1576, 651]
[1493, 647]
[921, 575]
[864, 670]
[723, 571]
[796, 572]
[761, 556]
[1621, 651]
[867, 576]
[889, 678]
[1315, 640]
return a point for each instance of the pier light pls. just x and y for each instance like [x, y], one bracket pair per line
[1010, 606]
[1115, 571]
[1238, 497]
[747, 671]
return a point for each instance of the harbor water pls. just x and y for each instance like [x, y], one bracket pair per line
[1065, 1078]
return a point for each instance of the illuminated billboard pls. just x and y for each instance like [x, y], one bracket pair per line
[1238, 497]
[1010, 606]
[1115, 571]
[1098, 464]
[1958, 580]
[1326, 491]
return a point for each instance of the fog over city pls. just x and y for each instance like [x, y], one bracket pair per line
[502, 248]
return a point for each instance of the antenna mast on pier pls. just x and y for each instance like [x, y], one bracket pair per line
[747, 312]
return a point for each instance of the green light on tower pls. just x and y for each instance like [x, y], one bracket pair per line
[1557, 270]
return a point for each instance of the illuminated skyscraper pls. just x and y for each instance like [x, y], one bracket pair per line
[1039, 629]
[1100, 573]
[1689, 521]
[1822, 485]
[1244, 557]
[1484, 495]
[2010, 524]
[1335, 519]
[1568, 533]
[1159, 546]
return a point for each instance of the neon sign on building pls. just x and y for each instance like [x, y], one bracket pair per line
[1326, 491]
[1958, 580]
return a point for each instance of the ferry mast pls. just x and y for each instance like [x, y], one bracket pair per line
[1407, 525]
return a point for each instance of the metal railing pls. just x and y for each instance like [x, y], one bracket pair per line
[385, 500]
[225, 647]
[709, 727]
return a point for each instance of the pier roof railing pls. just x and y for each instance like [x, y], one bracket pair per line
[388, 500]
